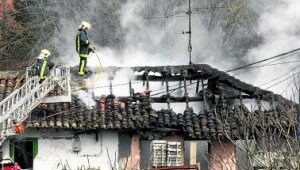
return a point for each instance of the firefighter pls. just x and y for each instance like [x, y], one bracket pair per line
[83, 46]
[43, 64]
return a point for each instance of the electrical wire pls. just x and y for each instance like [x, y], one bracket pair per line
[271, 63]
[195, 10]
[274, 64]
[282, 80]
[284, 55]
[283, 75]
[290, 83]
[267, 59]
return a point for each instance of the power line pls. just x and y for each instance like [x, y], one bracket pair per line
[272, 63]
[243, 67]
[164, 17]
[293, 69]
[267, 59]
[290, 83]
[283, 80]
[275, 64]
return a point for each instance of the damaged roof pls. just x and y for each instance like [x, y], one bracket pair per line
[201, 71]
[135, 113]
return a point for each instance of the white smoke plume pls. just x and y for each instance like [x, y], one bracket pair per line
[160, 42]
[279, 26]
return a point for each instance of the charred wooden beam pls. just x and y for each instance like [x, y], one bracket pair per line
[173, 99]
[168, 94]
[110, 78]
[207, 72]
[197, 86]
[130, 89]
[170, 78]
[186, 95]
[204, 95]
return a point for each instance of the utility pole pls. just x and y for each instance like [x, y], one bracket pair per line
[190, 32]
[189, 12]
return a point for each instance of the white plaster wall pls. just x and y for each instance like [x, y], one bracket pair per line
[180, 107]
[251, 104]
[5, 148]
[55, 150]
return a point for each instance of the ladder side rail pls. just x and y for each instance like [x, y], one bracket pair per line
[68, 72]
[27, 104]
[46, 87]
[5, 102]
[17, 106]
[65, 74]
[30, 95]
[10, 108]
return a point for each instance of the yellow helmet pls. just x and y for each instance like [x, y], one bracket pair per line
[85, 25]
[45, 53]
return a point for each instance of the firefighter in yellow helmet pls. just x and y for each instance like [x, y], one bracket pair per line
[83, 46]
[43, 64]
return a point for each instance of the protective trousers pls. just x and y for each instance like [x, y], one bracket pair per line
[82, 65]
[42, 72]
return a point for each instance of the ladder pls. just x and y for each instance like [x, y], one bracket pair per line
[16, 107]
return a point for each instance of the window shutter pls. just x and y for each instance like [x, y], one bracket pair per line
[12, 149]
[35, 147]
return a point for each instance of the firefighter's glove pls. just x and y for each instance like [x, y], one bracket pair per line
[92, 49]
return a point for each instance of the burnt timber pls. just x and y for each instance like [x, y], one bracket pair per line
[199, 72]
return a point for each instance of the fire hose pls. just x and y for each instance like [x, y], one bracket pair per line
[97, 77]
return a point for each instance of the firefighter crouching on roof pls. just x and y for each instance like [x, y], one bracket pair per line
[83, 46]
[43, 64]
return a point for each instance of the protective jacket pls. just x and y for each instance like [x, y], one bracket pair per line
[82, 44]
[43, 67]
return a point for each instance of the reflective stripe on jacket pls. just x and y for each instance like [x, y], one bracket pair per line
[82, 44]
[43, 66]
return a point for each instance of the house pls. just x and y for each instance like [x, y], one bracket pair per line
[133, 132]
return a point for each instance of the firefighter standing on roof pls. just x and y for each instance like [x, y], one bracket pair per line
[83, 46]
[43, 64]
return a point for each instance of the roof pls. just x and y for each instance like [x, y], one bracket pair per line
[135, 113]
[138, 115]
[206, 72]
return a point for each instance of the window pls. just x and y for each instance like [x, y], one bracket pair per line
[165, 153]
[23, 152]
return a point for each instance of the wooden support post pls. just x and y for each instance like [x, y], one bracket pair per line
[130, 88]
[180, 86]
[147, 80]
[166, 75]
[197, 86]
[110, 83]
[168, 94]
[241, 98]
[204, 97]
[110, 87]
[186, 95]
[273, 102]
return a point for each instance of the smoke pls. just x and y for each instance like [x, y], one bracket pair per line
[86, 98]
[143, 41]
[134, 32]
[279, 27]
